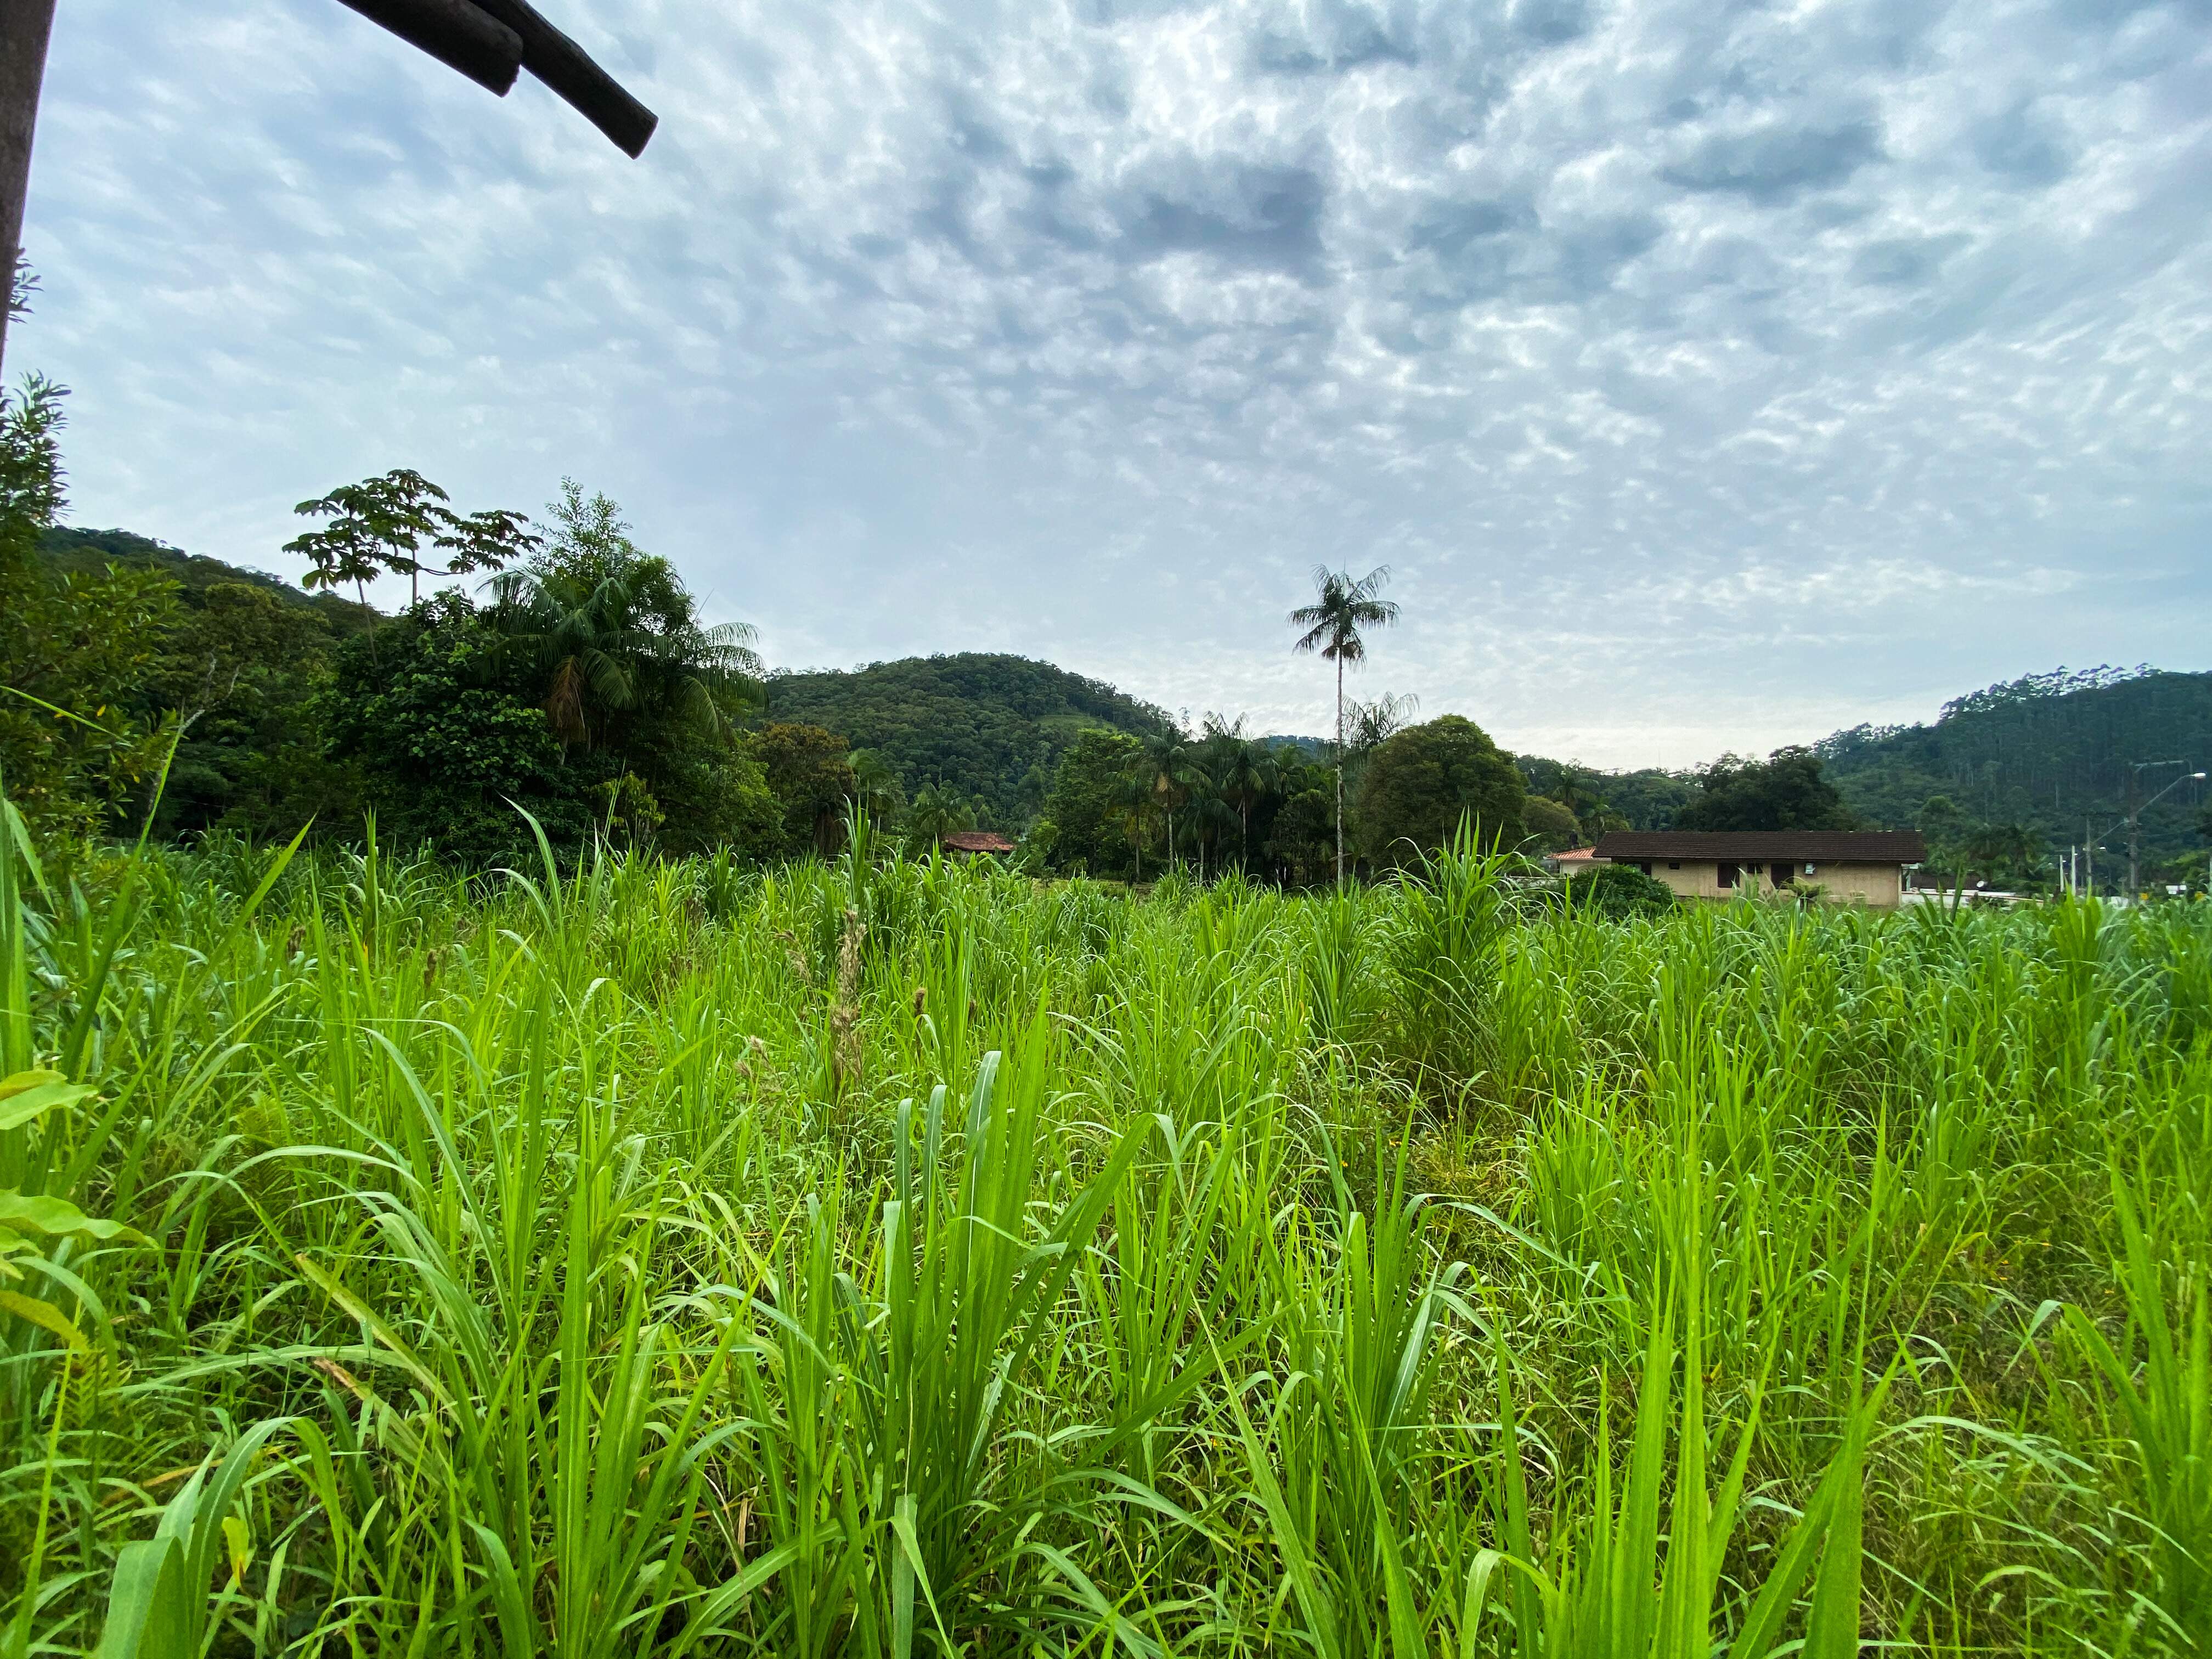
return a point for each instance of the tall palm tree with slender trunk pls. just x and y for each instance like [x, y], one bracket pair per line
[1130, 800]
[1341, 608]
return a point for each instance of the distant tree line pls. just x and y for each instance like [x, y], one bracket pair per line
[990, 728]
[1217, 799]
[579, 682]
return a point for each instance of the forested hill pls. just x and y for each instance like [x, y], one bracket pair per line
[980, 723]
[70, 551]
[2046, 751]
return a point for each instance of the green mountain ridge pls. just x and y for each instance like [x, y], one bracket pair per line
[987, 724]
[71, 551]
[2051, 752]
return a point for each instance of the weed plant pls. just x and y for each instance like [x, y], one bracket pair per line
[886, 1257]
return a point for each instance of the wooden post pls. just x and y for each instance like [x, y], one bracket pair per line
[488, 40]
[569, 71]
[25, 26]
[456, 33]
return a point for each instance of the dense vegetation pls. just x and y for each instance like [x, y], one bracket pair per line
[876, 1257]
[2049, 753]
[579, 682]
[660, 1216]
[67, 550]
[992, 727]
[580, 685]
[299, 710]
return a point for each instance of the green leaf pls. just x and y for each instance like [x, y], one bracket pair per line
[43, 1314]
[28, 1094]
[144, 1617]
[57, 1217]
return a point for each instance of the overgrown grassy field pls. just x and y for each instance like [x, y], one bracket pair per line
[889, 1258]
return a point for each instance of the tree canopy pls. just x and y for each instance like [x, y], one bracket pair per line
[1424, 780]
[810, 771]
[1084, 804]
[1785, 791]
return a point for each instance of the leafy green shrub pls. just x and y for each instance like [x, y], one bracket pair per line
[1619, 890]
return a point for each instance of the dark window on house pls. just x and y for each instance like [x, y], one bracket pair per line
[1726, 875]
[1645, 866]
[1673, 864]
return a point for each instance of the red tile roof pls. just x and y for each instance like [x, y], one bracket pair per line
[977, 840]
[1577, 855]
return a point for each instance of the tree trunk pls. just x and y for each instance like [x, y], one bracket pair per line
[1339, 771]
[25, 26]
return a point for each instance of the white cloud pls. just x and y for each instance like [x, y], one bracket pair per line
[1712, 374]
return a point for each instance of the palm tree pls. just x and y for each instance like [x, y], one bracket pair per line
[1593, 815]
[1243, 771]
[1340, 609]
[1211, 814]
[1367, 727]
[936, 813]
[1132, 801]
[615, 631]
[621, 642]
[1169, 770]
[875, 784]
[1371, 725]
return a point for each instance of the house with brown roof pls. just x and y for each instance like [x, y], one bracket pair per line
[1849, 866]
[970, 843]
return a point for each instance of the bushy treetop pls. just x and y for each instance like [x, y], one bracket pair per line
[1422, 782]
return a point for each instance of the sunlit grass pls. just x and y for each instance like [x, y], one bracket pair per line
[885, 1257]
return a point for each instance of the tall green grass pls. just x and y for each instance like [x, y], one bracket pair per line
[883, 1258]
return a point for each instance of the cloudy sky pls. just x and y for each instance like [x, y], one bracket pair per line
[1710, 373]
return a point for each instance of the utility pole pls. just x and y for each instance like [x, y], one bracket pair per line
[2136, 807]
[25, 26]
[2135, 828]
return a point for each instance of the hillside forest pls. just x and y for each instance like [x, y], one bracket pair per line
[569, 674]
